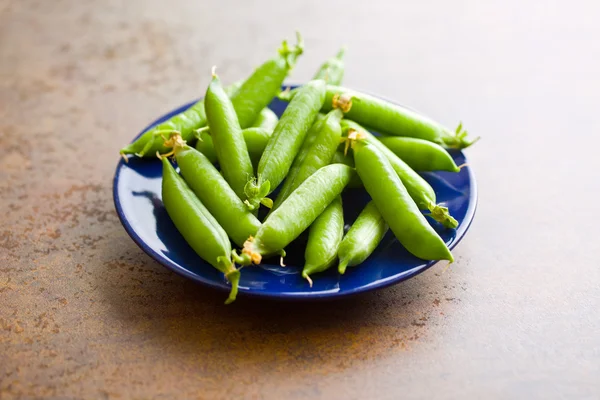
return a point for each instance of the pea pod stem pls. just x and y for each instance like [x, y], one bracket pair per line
[291, 53]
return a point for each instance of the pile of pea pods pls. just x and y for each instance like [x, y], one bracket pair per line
[320, 145]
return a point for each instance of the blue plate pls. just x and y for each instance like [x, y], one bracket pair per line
[137, 196]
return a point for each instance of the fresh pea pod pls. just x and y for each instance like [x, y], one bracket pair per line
[310, 137]
[267, 119]
[197, 226]
[392, 119]
[206, 146]
[324, 237]
[332, 70]
[297, 212]
[228, 140]
[256, 140]
[421, 192]
[286, 141]
[362, 238]
[316, 152]
[265, 82]
[214, 192]
[185, 124]
[340, 158]
[419, 154]
[395, 204]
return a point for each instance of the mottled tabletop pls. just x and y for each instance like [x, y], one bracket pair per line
[84, 313]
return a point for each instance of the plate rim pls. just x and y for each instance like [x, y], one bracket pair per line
[304, 295]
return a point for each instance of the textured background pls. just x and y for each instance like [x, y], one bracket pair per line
[85, 314]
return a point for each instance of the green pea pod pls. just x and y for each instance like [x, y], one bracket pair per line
[216, 194]
[395, 204]
[316, 152]
[228, 140]
[421, 192]
[332, 70]
[265, 82]
[388, 118]
[340, 158]
[297, 212]
[311, 134]
[185, 124]
[324, 237]
[197, 226]
[419, 154]
[256, 140]
[286, 141]
[362, 239]
[206, 146]
[267, 119]
[310, 137]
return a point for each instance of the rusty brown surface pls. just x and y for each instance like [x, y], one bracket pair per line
[84, 313]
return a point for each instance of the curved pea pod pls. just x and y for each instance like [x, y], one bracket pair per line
[287, 138]
[265, 82]
[228, 140]
[206, 146]
[419, 154]
[311, 134]
[324, 237]
[216, 194]
[184, 124]
[395, 204]
[256, 140]
[388, 118]
[316, 152]
[298, 212]
[340, 158]
[362, 239]
[267, 119]
[332, 70]
[197, 226]
[421, 192]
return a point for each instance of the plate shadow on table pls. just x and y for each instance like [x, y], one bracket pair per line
[185, 318]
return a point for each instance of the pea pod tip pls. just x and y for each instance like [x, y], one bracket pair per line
[310, 281]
